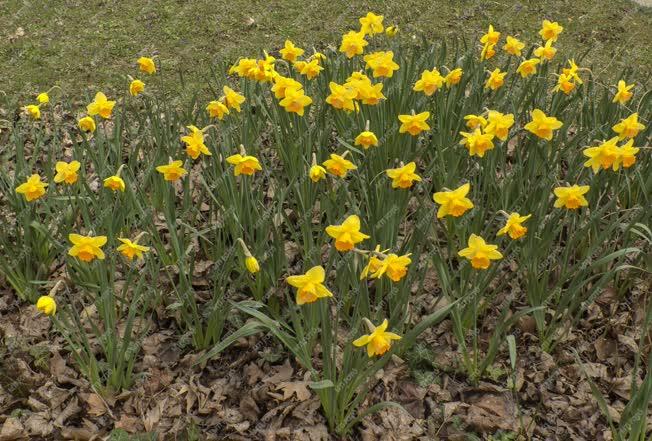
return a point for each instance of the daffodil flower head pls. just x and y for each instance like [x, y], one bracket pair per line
[480, 253]
[136, 87]
[295, 101]
[101, 105]
[172, 171]
[414, 123]
[550, 30]
[338, 165]
[514, 226]
[542, 125]
[628, 127]
[623, 93]
[87, 124]
[347, 234]
[310, 286]
[571, 197]
[86, 248]
[33, 188]
[378, 341]
[34, 111]
[217, 109]
[132, 250]
[46, 305]
[513, 46]
[146, 64]
[66, 172]
[341, 96]
[477, 142]
[381, 63]
[430, 82]
[604, 156]
[453, 202]
[371, 24]
[403, 176]
[528, 67]
[495, 80]
[353, 43]
[290, 52]
[244, 164]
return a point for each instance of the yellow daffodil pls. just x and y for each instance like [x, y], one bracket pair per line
[33, 111]
[550, 30]
[290, 52]
[623, 94]
[366, 139]
[172, 171]
[33, 188]
[217, 109]
[391, 31]
[347, 234]
[453, 202]
[310, 286]
[606, 155]
[66, 172]
[46, 305]
[131, 250]
[564, 84]
[101, 106]
[86, 124]
[475, 121]
[499, 124]
[115, 183]
[496, 79]
[404, 176]
[528, 67]
[477, 142]
[572, 72]
[311, 69]
[341, 96]
[136, 87]
[480, 253]
[43, 98]
[146, 64]
[571, 197]
[454, 77]
[373, 264]
[195, 143]
[513, 46]
[393, 266]
[339, 166]
[542, 125]
[514, 226]
[545, 52]
[628, 127]
[316, 173]
[491, 37]
[232, 99]
[430, 82]
[378, 341]
[627, 153]
[488, 51]
[251, 263]
[371, 24]
[281, 84]
[369, 93]
[243, 67]
[86, 248]
[244, 164]
[295, 101]
[353, 43]
[414, 124]
[381, 63]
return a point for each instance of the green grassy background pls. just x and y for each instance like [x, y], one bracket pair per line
[82, 44]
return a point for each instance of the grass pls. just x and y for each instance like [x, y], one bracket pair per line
[80, 44]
